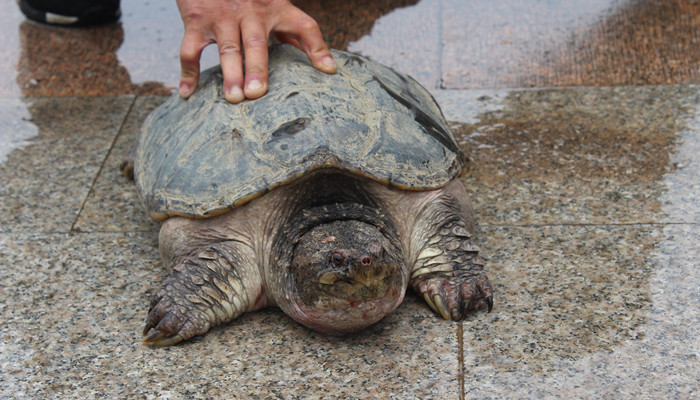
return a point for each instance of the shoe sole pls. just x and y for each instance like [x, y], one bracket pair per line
[93, 16]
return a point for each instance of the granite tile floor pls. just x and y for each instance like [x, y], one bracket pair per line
[585, 188]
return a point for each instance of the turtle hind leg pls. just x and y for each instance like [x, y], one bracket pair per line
[448, 272]
[205, 289]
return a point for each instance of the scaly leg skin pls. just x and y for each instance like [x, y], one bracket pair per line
[448, 272]
[205, 289]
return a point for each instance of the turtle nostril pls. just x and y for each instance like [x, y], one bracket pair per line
[366, 261]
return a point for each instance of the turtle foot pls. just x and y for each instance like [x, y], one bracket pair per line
[171, 321]
[203, 291]
[453, 295]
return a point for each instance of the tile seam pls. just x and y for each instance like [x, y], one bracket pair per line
[120, 129]
[460, 360]
[441, 47]
[610, 224]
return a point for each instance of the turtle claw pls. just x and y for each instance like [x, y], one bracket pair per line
[427, 299]
[153, 337]
[437, 304]
[441, 307]
[158, 338]
[172, 320]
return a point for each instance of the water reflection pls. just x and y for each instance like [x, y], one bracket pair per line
[16, 126]
[152, 35]
[460, 44]
[56, 61]
[633, 43]
[681, 201]
[342, 22]
[408, 39]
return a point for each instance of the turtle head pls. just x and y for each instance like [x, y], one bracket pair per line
[344, 276]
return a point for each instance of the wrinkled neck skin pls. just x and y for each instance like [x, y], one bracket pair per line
[340, 267]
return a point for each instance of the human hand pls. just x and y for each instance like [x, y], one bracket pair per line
[243, 27]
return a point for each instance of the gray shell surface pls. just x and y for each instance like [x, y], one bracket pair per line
[203, 156]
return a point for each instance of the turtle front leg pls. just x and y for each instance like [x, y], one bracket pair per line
[448, 272]
[207, 288]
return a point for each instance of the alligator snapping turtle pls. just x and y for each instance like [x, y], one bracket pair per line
[327, 198]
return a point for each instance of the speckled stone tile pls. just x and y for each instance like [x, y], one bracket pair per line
[585, 156]
[588, 312]
[75, 305]
[45, 181]
[113, 204]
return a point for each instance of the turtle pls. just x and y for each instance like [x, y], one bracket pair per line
[327, 197]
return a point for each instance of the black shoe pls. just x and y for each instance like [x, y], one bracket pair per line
[71, 12]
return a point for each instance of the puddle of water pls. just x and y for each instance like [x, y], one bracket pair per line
[468, 106]
[681, 202]
[467, 44]
[407, 39]
[153, 32]
[343, 22]
[16, 126]
[498, 44]
[9, 48]
[596, 155]
[450, 44]
[139, 54]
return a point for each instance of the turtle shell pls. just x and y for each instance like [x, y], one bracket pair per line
[202, 156]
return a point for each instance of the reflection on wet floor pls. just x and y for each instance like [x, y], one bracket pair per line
[343, 22]
[605, 42]
[57, 61]
[451, 44]
[568, 150]
[16, 126]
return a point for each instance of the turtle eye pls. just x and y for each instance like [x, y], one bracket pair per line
[337, 258]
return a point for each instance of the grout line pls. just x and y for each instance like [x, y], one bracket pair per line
[104, 162]
[460, 360]
[587, 224]
[75, 233]
[515, 88]
[57, 232]
[440, 46]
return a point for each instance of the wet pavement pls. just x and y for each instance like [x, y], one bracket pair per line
[583, 130]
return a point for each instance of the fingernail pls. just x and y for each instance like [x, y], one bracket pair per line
[185, 89]
[235, 95]
[254, 85]
[328, 62]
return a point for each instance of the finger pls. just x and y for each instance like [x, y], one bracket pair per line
[255, 40]
[284, 38]
[190, 52]
[231, 65]
[305, 30]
